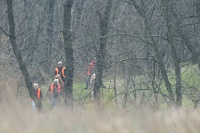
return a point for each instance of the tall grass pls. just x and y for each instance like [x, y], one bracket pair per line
[17, 116]
[20, 118]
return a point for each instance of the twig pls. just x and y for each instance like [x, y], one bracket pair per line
[5, 32]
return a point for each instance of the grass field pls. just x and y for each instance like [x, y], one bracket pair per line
[17, 118]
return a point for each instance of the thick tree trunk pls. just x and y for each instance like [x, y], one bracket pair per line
[68, 53]
[16, 51]
[100, 55]
[50, 34]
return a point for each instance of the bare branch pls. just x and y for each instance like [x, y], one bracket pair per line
[4, 32]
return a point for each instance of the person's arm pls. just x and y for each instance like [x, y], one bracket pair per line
[92, 67]
[41, 95]
[65, 72]
[48, 91]
[55, 72]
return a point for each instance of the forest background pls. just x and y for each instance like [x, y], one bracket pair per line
[147, 51]
[151, 48]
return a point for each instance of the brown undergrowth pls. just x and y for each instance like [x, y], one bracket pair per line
[18, 117]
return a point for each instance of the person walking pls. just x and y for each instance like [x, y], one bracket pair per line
[60, 70]
[90, 72]
[37, 102]
[54, 91]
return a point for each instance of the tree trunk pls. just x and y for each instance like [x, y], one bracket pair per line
[68, 53]
[153, 83]
[171, 20]
[16, 51]
[178, 78]
[115, 87]
[50, 27]
[28, 10]
[100, 55]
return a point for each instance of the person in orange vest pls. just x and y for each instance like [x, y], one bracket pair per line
[54, 91]
[60, 70]
[90, 71]
[37, 103]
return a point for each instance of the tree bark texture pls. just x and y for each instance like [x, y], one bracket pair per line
[103, 25]
[68, 45]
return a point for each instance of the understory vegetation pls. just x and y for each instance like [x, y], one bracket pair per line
[144, 55]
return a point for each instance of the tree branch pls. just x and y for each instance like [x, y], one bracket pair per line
[5, 32]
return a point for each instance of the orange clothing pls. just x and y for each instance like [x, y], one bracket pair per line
[39, 93]
[62, 71]
[90, 68]
[52, 87]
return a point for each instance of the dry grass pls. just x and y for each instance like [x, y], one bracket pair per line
[17, 118]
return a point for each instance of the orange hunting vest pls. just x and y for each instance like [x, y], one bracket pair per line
[52, 87]
[38, 93]
[90, 68]
[63, 71]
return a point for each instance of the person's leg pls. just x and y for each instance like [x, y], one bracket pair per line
[33, 105]
[87, 81]
[40, 105]
[53, 102]
[63, 79]
[92, 78]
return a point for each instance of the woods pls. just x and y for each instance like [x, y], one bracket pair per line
[147, 51]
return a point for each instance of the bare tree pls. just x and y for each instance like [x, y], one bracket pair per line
[100, 65]
[68, 46]
[16, 51]
[142, 43]
[158, 57]
[172, 22]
